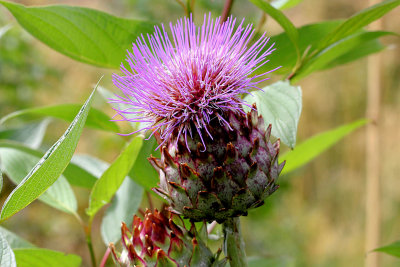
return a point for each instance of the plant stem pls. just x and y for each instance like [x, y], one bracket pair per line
[105, 257]
[227, 10]
[88, 233]
[233, 243]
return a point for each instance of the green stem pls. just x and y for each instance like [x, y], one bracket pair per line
[233, 243]
[88, 233]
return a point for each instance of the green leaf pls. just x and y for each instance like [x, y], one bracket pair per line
[358, 21]
[96, 118]
[366, 49]
[39, 257]
[322, 59]
[17, 164]
[7, 258]
[83, 34]
[280, 105]
[123, 206]
[30, 134]
[285, 23]
[312, 147]
[392, 249]
[285, 4]
[75, 173]
[285, 54]
[142, 172]
[105, 188]
[15, 241]
[49, 168]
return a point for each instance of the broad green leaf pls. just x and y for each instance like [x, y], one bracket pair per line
[15, 241]
[285, 4]
[123, 206]
[83, 34]
[322, 59]
[49, 168]
[7, 258]
[358, 21]
[392, 249]
[30, 134]
[285, 23]
[285, 54]
[105, 187]
[96, 118]
[142, 172]
[75, 173]
[39, 257]
[17, 164]
[312, 147]
[280, 105]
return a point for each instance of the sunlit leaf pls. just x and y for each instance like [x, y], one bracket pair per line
[312, 147]
[105, 187]
[322, 59]
[75, 173]
[39, 257]
[49, 168]
[96, 118]
[285, 4]
[280, 105]
[13, 240]
[84, 34]
[7, 258]
[30, 134]
[392, 249]
[285, 23]
[123, 206]
[17, 164]
[358, 21]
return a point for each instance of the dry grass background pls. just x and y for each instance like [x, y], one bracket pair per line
[317, 217]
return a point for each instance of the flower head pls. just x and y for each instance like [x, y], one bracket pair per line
[177, 84]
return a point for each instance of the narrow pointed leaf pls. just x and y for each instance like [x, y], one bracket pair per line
[74, 173]
[322, 59]
[285, 4]
[285, 23]
[392, 249]
[312, 147]
[96, 119]
[358, 21]
[7, 258]
[280, 105]
[105, 188]
[17, 164]
[84, 34]
[39, 257]
[49, 168]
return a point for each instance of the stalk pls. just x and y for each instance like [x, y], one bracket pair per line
[227, 10]
[233, 243]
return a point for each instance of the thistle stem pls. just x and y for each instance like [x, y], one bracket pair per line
[233, 243]
[227, 10]
[88, 233]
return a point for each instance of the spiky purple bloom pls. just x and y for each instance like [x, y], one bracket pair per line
[187, 79]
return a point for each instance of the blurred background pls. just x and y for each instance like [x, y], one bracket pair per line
[316, 218]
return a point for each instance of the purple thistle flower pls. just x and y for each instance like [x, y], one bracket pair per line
[187, 79]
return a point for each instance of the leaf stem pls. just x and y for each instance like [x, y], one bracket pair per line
[227, 10]
[105, 257]
[233, 243]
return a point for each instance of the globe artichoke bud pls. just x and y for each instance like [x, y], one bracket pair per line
[158, 241]
[235, 172]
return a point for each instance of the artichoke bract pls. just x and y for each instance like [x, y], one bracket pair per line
[235, 172]
[158, 241]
